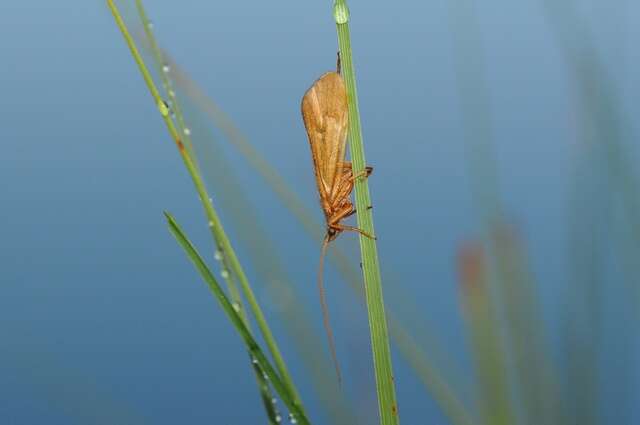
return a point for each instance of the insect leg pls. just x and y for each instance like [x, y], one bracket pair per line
[342, 227]
[355, 210]
[346, 165]
[348, 210]
[363, 174]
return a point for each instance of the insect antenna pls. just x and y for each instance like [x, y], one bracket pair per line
[325, 309]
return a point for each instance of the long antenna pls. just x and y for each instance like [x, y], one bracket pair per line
[325, 309]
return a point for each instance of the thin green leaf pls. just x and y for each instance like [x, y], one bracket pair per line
[236, 320]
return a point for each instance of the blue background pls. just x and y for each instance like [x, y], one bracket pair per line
[103, 319]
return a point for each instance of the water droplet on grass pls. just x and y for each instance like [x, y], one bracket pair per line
[163, 107]
[341, 13]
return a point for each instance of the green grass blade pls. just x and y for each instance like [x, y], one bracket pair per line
[387, 405]
[487, 346]
[215, 224]
[236, 320]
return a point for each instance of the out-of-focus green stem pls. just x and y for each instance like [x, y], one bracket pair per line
[488, 353]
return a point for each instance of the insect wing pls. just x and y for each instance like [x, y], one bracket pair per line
[325, 115]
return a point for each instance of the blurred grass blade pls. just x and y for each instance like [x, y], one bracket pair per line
[604, 179]
[432, 378]
[486, 346]
[236, 320]
[385, 386]
[538, 386]
[602, 120]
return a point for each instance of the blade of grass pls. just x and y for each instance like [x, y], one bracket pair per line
[214, 221]
[164, 69]
[236, 320]
[538, 386]
[385, 388]
[487, 346]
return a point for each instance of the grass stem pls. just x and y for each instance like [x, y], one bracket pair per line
[252, 346]
[385, 387]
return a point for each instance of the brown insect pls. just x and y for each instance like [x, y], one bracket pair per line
[325, 115]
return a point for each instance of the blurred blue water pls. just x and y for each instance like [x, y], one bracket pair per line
[104, 320]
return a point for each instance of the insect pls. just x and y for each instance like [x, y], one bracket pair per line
[325, 116]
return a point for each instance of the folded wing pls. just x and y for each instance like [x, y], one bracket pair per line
[325, 115]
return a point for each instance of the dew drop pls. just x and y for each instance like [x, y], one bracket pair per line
[341, 13]
[187, 131]
[210, 223]
[292, 419]
[150, 25]
[274, 400]
[172, 93]
[236, 307]
[225, 275]
[166, 69]
[254, 360]
[163, 107]
[278, 418]
[218, 255]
